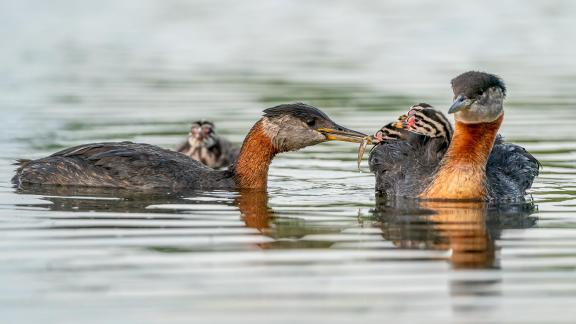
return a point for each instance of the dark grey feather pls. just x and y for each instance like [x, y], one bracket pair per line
[473, 83]
[122, 165]
[405, 168]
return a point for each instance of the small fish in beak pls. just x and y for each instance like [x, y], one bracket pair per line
[365, 141]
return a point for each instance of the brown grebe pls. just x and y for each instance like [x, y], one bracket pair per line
[477, 164]
[204, 144]
[131, 165]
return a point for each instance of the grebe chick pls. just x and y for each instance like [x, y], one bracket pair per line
[422, 127]
[421, 122]
[398, 161]
[477, 165]
[204, 144]
[130, 165]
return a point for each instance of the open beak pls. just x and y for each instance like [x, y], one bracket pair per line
[461, 102]
[342, 134]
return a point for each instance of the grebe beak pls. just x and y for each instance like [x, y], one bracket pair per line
[342, 134]
[461, 102]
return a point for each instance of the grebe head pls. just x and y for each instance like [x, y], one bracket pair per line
[294, 126]
[393, 130]
[425, 120]
[202, 133]
[478, 97]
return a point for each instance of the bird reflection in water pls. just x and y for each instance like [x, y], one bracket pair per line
[110, 200]
[254, 210]
[466, 229]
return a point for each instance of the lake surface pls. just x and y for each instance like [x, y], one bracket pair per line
[318, 246]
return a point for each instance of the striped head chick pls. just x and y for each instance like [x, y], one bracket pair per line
[422, 125]
[393, 130]
[423, 119]
[431, 130]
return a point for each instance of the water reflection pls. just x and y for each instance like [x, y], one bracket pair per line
[254, 210]
[69, 198]
[467, 229]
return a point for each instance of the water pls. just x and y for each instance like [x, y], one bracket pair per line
[319, 246]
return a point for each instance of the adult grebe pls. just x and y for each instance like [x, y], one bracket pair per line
[205, 145]
[477, 165]
[130, 165]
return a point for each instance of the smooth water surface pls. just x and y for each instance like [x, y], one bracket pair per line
[319, 246]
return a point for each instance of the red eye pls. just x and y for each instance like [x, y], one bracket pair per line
[411, 121]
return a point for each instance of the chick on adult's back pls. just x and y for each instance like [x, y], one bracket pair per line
[402, 162]
[477, 164]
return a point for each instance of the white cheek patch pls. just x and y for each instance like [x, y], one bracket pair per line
[271, 129]
[485, 109]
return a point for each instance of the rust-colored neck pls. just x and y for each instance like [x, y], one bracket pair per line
[462, 173]
[251, 170]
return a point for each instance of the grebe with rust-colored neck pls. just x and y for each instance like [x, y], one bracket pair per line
[477, 164]
[142, 166]
[478, 112]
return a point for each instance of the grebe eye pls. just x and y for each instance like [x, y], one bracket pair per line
[311, 122]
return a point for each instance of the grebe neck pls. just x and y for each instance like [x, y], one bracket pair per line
[462, 172]
[251, 169]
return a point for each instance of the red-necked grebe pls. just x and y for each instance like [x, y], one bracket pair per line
[473, 164]
[130, 165]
